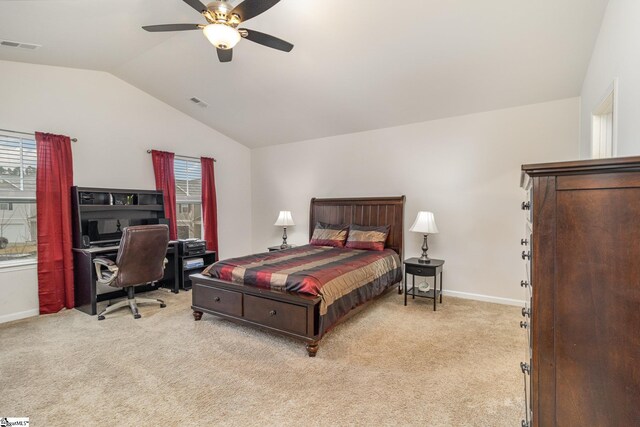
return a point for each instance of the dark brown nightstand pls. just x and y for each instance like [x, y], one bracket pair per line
[279, 248]
[432, 269]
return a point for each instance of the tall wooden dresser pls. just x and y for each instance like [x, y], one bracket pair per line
[583, 293]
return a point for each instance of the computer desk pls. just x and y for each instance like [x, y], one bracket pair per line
[86, 287]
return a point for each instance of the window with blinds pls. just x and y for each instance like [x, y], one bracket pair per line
[17, 199]
[17, 167]
[188, 178]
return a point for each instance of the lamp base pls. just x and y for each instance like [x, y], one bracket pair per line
[424, 259]
[284, 239]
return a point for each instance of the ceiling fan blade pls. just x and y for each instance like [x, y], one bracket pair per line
[171, 27]
[197, 5]
[267, 40]
[251, 8]
[225, 55]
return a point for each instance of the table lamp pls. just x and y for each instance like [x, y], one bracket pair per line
[284, 220]
[425, 223]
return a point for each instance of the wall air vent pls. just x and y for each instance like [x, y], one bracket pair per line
[19, 45]
[199, 102]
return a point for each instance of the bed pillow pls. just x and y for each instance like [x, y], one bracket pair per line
[371, 238]
[329, 235]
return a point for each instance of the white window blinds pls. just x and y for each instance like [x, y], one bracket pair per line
[17, 168]
[188, 180]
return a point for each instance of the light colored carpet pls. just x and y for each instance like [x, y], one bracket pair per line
[389, 365]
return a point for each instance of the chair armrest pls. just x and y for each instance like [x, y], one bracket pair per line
[107, 263]
[111, 266]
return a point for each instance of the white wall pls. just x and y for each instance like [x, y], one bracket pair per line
[464, 169]
[18, 293]
[115, 124]
[616, 55]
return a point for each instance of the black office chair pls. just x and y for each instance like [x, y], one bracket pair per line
[140, 260]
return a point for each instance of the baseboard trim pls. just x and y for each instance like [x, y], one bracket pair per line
[485, 298]
[466, 295]
[20, 315]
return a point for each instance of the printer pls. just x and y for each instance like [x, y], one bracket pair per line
[191, 247]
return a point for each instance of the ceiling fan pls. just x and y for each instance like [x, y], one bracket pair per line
[222, 25]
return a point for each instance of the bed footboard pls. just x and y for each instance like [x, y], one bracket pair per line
[293, 315]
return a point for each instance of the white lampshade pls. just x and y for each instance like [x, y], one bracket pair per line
[284, 219]
[222, 36]
[425, 223]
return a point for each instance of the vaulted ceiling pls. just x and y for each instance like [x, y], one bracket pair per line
[356, 65]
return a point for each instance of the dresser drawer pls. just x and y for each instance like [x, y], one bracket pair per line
[276, 314]
[419, 271]
[226, 302]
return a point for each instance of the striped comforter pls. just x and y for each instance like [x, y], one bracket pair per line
[343, 278]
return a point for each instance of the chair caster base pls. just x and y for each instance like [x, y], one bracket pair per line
[130, 303]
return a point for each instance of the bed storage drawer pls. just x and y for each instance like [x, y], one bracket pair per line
[277, 314]
[220, 300]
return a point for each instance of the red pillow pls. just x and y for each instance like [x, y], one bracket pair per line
[371, 238]
[329, 235]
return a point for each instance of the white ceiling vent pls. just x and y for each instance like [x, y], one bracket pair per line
[199, 102]
[19, 45]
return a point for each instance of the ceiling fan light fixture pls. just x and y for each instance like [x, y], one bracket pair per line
[222, 36]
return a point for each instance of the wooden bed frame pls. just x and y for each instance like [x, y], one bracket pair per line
[292, 314]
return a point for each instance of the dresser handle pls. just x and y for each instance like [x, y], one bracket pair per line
[526, 369]
[524, 242]
[524, 283]
[523, 324]
[217, 299]
[272, 313]
[525, 206]
[526, 255]
[526, 312]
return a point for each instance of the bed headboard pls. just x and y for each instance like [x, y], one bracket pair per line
[362, 211]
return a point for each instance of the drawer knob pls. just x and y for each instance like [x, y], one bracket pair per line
[523, 324]
[272, 313]
[524, 242]
[526, 312]
[525, 206]
[525, 368]
[418, 271]
[217, 299]
[526, 255]
[524, 283]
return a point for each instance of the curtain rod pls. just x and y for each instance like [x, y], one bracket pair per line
[29, 133]
[184, 157]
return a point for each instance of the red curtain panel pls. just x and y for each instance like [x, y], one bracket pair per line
[166, 182]
[209, 204]
[54, 178]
